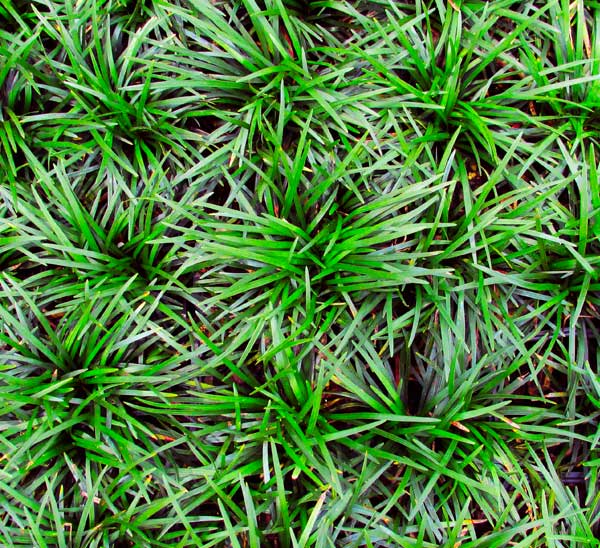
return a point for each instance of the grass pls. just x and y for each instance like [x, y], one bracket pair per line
[299, 273]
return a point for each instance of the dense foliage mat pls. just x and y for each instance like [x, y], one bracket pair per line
[299, 273]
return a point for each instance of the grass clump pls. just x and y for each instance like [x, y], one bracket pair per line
[299, 273]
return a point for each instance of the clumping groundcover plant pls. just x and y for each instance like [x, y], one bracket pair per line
[299, 273]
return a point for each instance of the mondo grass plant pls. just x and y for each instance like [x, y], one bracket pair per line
[299, 273]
